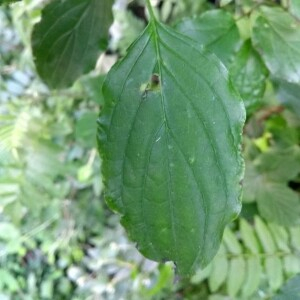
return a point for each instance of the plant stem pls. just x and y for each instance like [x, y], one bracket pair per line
[150, 10]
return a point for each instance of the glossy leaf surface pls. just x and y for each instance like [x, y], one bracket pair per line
[276, 35]
[69, 38]
[169, 136]
[216, 30]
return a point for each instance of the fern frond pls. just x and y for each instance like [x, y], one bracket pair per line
[255, 259]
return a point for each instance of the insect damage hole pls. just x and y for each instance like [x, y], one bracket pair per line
[153, 85]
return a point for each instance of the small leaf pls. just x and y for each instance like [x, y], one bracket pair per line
[236, 276]
[248, 236]
[253, 273]
[215, 30]
[219, 270]
[281, 237]
[278, 203]
[264, 236]
[274, 272]
[232, 242]
[276, 35]
[169, 135]
[295, 238]
[225, 2]
[249, 74]
[291, 264]
[201, 274]
[69, 38]
[290, 291]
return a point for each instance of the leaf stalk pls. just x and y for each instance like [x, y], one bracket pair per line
[150, 10]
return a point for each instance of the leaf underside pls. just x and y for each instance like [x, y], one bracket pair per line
[69, 38]
[169, 136]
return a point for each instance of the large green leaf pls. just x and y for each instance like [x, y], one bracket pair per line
[216, 30]
[249, 74]
[69, 38]
[276, 35]
[169, 136]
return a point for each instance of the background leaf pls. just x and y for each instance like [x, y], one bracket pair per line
[8, 1]
[277, 203]
[69, 38]
[276, 35]
[249, 74]
[216, 30]
[290, 291]
[294, 6]
[289, 95]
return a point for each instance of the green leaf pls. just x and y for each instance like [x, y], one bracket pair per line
[295, 8]
[264, 236]
[248, 236]
[289, 95]
[278, 203]
[236, 276]
[276, 35]
[225, 2]
[8, 232]
[291, 264]
[252, 180]
[8, 1]
[9, 281]
[201, 274]
[253, 273]
[219, 270]
[86, 129]
[215, 30]
[280, 165]
[290, 291]
[69, 38]
[281, 237]
[249, 74]
[170, 168]
[232, 242]
[274, 272]
[295, 238]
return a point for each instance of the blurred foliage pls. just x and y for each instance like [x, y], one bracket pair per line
[57, 238]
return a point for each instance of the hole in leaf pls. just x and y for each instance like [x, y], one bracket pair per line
[152, 86]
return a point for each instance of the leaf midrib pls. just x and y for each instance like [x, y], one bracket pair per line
[154, 25]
